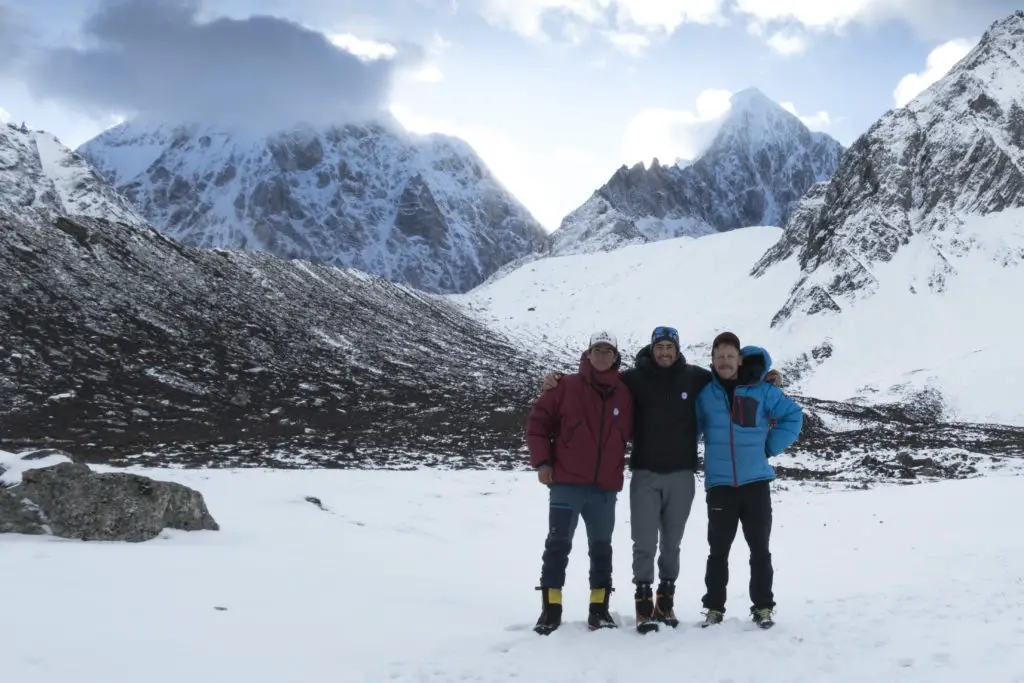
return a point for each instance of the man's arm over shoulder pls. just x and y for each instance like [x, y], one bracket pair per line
[542, 425]
[788, 417]
[630, 378]
[628, 412]
[697, 377]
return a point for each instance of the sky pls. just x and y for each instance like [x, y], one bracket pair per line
[554, 95]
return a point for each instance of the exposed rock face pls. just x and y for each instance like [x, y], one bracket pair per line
[124, 345]
[421, 211]
[72, 501]
[956, 150]
[759, 164]
[39, 174]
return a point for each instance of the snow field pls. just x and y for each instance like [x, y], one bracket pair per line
[429, 576]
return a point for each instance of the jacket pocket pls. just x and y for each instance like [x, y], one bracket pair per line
[744, 410]
[567, 434]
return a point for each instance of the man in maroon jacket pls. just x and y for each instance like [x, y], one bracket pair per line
[577, 435]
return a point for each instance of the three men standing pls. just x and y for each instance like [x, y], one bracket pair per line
[665, 389]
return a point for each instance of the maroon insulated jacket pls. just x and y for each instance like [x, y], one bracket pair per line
[581, 427]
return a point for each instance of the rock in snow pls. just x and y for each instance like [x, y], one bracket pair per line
[71, 501]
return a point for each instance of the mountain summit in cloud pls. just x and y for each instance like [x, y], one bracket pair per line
[760, 162]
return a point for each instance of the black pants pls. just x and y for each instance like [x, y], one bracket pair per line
[749, 505]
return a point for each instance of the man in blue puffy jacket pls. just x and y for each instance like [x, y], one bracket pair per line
[744, 421]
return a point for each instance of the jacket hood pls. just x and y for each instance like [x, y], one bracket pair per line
[756, 364]
[645, 360]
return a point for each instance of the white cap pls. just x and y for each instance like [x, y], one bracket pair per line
[603, 337]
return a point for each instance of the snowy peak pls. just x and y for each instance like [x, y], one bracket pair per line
[760, 162]
[755, 122]
[40, 175]
[918, 179]
[418, 210]
[988, 77]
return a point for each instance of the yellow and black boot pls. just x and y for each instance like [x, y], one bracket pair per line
[645, 622]
[599, 616]
[664, 606]
[551, 611]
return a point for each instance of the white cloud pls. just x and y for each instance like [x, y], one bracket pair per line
[635, 23]
[630, 43]
[670, 134]
[816, 14]
[4, 116]
[788, 25]
[937, 64]
[369, 50]
[819, 121]
[786, 43]
[363, 48]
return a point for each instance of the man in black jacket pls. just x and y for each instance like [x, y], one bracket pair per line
[663, 465]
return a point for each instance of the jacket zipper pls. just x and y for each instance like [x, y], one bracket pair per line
[732, 445]
[600, 438]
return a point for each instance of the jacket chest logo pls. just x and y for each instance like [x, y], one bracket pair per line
[615, 412]
[684, 395]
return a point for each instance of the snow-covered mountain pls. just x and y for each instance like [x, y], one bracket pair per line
[926, 200]
[117, 342]
[898, 379]
[895, 283]
[418, 210]
[39, 175]
[760, 162]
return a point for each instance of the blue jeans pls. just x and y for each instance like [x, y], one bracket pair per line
[568, 502]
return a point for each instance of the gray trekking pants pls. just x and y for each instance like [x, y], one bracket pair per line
[659, 506]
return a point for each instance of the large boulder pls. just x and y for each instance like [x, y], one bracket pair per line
[72, 501]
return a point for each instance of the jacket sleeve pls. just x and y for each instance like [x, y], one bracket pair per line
[542, 426]
[788, 417]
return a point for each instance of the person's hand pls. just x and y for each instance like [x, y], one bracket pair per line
[545, 474]
[551, 380]
[774, 377]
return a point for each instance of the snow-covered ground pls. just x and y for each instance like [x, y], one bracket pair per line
[904, 338]
[429, 576]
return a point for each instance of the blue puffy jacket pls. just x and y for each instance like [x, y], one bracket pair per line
[739, 438]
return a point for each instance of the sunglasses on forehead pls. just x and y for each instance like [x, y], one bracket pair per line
[665, 332]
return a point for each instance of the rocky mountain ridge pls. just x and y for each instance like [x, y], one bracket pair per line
[418, 210]
[760, 162]
[120, 344]
[917, 176]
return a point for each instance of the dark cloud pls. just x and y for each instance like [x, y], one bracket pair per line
[154, 59]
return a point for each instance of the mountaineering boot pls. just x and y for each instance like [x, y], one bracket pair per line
[712, 617]
[762, 616]
[645, 622]
[599, 616]
[551, 611]
[664, 607]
